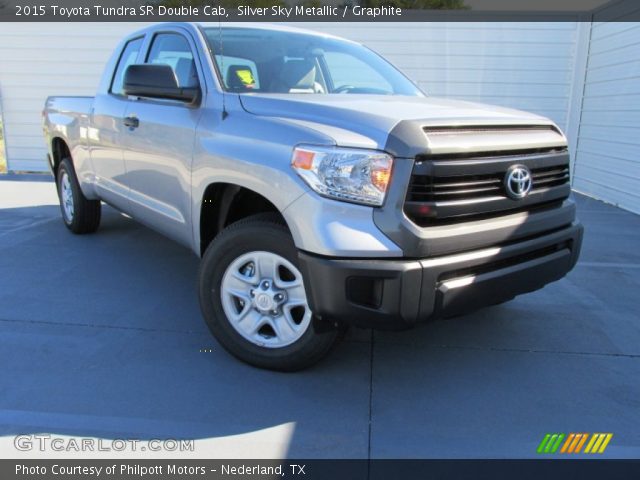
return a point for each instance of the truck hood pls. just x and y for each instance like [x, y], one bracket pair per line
[392, 123]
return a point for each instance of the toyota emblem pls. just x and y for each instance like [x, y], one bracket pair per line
[517, 182]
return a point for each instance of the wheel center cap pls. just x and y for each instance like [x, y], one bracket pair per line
[264, 302]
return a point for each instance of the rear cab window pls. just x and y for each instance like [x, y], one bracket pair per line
[128, 57]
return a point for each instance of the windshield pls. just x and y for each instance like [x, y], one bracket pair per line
[270, 61]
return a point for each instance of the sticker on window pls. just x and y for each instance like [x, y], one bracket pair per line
[246, 77]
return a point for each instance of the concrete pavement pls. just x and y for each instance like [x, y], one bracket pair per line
[102, 337]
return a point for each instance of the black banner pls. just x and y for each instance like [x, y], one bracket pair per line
[318, 11]
[319, 469]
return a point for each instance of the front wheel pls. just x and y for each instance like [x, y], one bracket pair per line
[253, 298]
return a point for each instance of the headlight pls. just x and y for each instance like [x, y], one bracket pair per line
[349, 174]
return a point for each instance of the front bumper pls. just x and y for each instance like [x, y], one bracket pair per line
[398, 294]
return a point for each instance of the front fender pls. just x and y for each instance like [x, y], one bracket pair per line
[250, 152]
[254, 152]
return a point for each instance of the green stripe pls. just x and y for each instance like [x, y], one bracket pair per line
[547, 449]
[543, 443]
[557, 444]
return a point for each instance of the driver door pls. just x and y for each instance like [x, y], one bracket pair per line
[158, 145]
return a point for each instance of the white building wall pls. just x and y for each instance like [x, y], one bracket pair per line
[42, 59]
[514, 64]
[521, 65]
[607, 163]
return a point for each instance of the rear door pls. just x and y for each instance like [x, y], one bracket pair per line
[104, 136]
[158, 151]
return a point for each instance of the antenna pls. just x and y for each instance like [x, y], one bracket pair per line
[224, 109]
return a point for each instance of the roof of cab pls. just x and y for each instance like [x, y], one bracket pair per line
[194, 27]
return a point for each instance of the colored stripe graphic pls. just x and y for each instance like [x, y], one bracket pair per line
[543, 443]
[598, 443]
[550, 443]
[565, 447]
[594, 437]
[556, 445]
[606, 441]
[584, 439]
[573, 442]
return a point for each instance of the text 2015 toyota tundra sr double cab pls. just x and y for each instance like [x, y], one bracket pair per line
[321, 187]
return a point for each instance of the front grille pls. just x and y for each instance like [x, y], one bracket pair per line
[425, 188]
[449, 190]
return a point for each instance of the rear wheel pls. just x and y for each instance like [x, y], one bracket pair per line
[79, 214]
[253, 298]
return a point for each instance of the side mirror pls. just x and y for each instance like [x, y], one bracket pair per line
[157, 81]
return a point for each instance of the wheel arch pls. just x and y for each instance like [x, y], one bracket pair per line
[225, 203]
[59, 151]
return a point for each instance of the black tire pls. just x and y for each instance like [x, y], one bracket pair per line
[502, 302]
[86, 213]
[259, 233]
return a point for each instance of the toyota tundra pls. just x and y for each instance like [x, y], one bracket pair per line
[321, 187]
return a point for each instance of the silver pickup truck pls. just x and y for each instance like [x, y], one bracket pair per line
[320, 186]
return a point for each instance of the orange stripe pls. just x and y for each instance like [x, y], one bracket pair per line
[574, 443]
[584, 439]
[566, 444]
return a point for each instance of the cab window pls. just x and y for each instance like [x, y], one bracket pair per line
[128, 57]
[238, 74]
[173, 49]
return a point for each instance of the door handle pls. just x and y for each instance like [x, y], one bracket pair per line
[131, 122]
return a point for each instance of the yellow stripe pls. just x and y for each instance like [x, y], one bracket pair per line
[605, 443]
[591, 442]
[596, 445]
[566, 444]
[584, 439]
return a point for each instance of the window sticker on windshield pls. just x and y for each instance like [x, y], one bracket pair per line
[246, 77]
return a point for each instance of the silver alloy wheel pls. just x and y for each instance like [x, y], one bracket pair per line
[66, 197]
[264, 299]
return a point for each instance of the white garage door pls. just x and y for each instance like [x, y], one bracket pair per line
[608, 154]
[42, 59]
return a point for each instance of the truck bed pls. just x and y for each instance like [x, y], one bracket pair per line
[69, 116]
